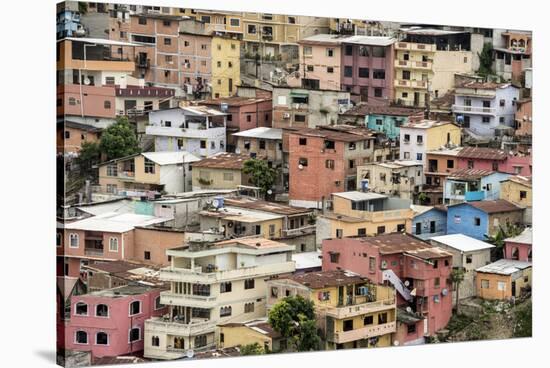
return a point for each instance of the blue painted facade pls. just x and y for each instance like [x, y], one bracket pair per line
[68, 23]
[461, 219]
[430, 223]
[388, 124]
[486, 188]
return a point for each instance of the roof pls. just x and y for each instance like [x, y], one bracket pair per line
[260, 325]
[483, 85]
[426, 124]
[306, 260]
[99, 41]
[170, 158]
[470, 174]
[223, 160]
[499, 205]
[253, 243]
[524, 180]
[504, 267]
[122, 291]
[360, 196]
[106, 360]
[241, 214]
[370, 40]
[397, 164]
[446, 151]
[120, 205]
[262, 133]
[366, 109]
[201, 111]
[526, 237]
[482, 153]
[462, 242]
[233, 101]
[113, 222]
[323, 38]
[344, 133]
[418, 209]
[131, 271]
[429, 31]
[408, 318]
[76, 125]
[254, 204]
[320, 280]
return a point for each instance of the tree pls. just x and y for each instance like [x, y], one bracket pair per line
[294, 318]
[119, 140]
[485, 60]
[261, 175]
[89, 155]
[457, 276]
[498, 239]
[252, 349]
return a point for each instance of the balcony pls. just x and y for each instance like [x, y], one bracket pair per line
[188, 300]
[405, 83]
[408, 64]
[415, 46]
[165, 326]
[359, 309]
[200, 132]
[299, 231]
[143, 63]
[461, 109]
[475, 196]
[341, 337]
[126, 175]
[196, 275]
[93, 252]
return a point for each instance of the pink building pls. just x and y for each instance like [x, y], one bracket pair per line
[79, 100]
[110, 322]
[493, 159]
[418, 270]
[520, 247]
[524, 118]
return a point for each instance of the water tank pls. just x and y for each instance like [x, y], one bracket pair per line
[218, 202]
[364, 185]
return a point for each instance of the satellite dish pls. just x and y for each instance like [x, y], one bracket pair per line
[407, 283]
[190, 353]
[222, 229]
[87, 81]
[409, 309]
[238, 151]
[269, 191]
[300, 167]
[396, 343]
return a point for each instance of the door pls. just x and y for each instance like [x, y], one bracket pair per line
[364, 92]
[340, 295]
[513, 288]
[432, 227]
[416, 98]
[230, 85]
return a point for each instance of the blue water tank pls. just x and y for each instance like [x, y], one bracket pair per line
[218, 201]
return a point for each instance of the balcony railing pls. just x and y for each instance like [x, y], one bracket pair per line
[358, 309]
[474, 110]
[188, 300]
[164, 325]
[299, 231]
[415, 46]
[475, 196]
[341, 337]
[126, 174]
[408, 64]
[94, 252]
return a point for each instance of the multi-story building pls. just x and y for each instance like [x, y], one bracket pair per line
[320, 63]
[71, 135]
[514, 57]
[441, 163]
[213, 283]
[524, 118]
[485, 108]
[110, 322]
[68, 21]
[418, 270]
[148, 171]
[199, 130]
[415, 139]
[519, 190]
[472, 185]
[299, 108]
[494, 159]
[333, 152]
[137, 100]
[363, 214]
[401, 179]
[226, 65]
[351, 311]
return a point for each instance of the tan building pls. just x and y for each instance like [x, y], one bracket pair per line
[503, 279]
[257, 331]
[220, 171]
[396, 178]
[519, 191]
[226, 65]
[351, 311]
[71, 135]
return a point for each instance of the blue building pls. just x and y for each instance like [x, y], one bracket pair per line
[479, 218]
[68, 24]
[429, 221]
[385, 119]
[472, 185]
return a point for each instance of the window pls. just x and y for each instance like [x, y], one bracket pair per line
[142, 21]
[380, 229]
[400, 227]
[225, 287]
[437, 282]
[102, 310]
[339, 233]
[134, 334]
[378, 51]
[362, 232]
[406, 75]
[363, 51]
[522, 194]
[234, 22]
[135, 307]
[292, 20]
[379, 74]
[348, 325]
[469, 258]
[330, 52]
[419, 139]
[109, 80]
[351, 164]
[308, 51]
[406, 138]
[113, 244]
[302, 161]
[101, 338]
[406, 155]
[107, 104]
[418, 157]
[147, 255]
[348, 71]
[149, 166]
[249, 307]
[348, 50]
[203, 144]
[249, 284]
[450, 164]
[167, 41]
[73, 240]
[212, 145]
[81, 337]
[225, 311]
[351, 146]
[378, 92]
[485, 119]
[299, 118]
[329, 164]
[485, 284]
[477, 221]
[228, 176]
[168, 59]
[252, 29]
[81, 309]
[368, 320]
[155, 341]
[405, 94]
[205, 18]
[330, 69]
[58, 238]
[501, 286]
[310, 68]
[470, 164]
[271, 230]
[418, 228]
[411, 329]
[372, 263]
[382, 318]
[363, 72]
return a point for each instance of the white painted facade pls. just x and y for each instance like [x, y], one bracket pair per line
[410, 147]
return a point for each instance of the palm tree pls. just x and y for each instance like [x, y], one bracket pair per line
[457, 276]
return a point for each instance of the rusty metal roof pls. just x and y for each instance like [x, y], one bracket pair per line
[499, 205]
[394, 243]
[482, 153]
[469, 174]
[319, 280]
[223, 160]
[259, 205]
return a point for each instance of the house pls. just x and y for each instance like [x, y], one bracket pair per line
[495, 160]
[415, 139]
[440, 163]
[332, 152]
[92, 324]
[307, 108]
[212, 284]
[520, 247]
[478, 219]
[243, 114]
[524, 118]
[418, 271]
[503, 279]
[385, 119]
[519, 190]
[199, 130]
[71, 135]
[307, 261]
[102, 275]
[220, 171]
[351, 311]
[512, 56]
[363, 214]
[239, 334]
[468, 255]
[226, 64]
[429, 222]
[485, 107]
[167, 172]
[472, 185]
[68, 21]
[137, 100]
[401, 179]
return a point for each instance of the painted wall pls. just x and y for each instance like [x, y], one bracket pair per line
[425, 219]
[227, 53]
[321, 61]
[218, 178]
[156, 242]
[522, 279]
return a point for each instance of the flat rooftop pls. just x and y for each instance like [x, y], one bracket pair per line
[115, 222]
[122, 291]
[261, 133]
[259, 205]
[320, 280]
[462, 242]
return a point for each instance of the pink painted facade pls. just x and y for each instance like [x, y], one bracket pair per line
[524, 118]
[110, 335]
[518, 251]
[516, 165]
[355, 255]
[90, 101]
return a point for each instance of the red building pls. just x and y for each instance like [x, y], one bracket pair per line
[418, 270]
[495, 160]
[520, 247]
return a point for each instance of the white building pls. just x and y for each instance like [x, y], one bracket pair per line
[396, 178]
[485, 107]
[199, 130]
[415, 139]
[213, 283]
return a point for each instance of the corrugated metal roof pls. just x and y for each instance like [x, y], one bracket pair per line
[170, 158]
[462, 242]
[526, 237]
[504, 267]
[359, 196]
[115, 222]
[262, 133]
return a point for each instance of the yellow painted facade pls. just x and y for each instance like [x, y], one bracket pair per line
[517, 193]
[218, 178]
[438, 136]
[225, 66]
[126, 178]
[242, 335]
[492, 291]
[66, 61]
[413, 70]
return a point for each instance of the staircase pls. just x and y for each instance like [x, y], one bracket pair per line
[390, 276]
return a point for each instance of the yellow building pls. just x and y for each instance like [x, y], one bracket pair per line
[413, 71]
[220, 171]
[519, 191]
[364, 214]
[351, 311]
[252, 332]
[215, 21]
[148, 171]
[226, 68]
[503, 279]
